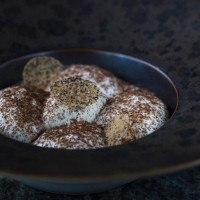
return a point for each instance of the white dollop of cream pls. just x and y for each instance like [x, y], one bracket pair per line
[56, 114]
[10, 124]
[149, 116]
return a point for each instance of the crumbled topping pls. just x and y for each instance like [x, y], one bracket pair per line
[103, 79]
[76, 93]
[118, 130]
[39, 71]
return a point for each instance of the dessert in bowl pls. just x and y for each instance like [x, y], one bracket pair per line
[77, 107]
[94, 143]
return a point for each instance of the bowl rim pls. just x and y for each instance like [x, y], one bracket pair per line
[10, 169]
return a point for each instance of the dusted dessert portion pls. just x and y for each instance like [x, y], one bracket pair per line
[146, 112]
[87, 107]
[21, 109]
[78, 135]
[72, 99]
[39, 71]
[107, 83]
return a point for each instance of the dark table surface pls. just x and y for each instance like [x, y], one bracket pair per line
[165, 32]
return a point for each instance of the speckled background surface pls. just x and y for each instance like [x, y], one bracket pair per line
[184, 185]
[166, 32]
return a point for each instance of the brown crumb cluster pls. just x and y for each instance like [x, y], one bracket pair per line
[39, 71]
[118, 130]
[21, 109]
[107, 82]
[76, 93]
[79, 135]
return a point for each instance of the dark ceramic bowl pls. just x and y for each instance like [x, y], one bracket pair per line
[170, 148]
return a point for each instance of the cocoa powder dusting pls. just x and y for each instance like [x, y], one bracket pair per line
[78, 135]
[21, 110]
[146, 112]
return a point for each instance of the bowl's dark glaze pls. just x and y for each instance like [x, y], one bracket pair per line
[164, 150]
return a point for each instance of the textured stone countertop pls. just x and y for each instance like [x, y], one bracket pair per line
[167, 32]
[184, 185]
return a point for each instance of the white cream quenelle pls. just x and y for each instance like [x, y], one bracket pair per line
[21, 110]
[139, 111]
[78, 135]
[72, 99]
